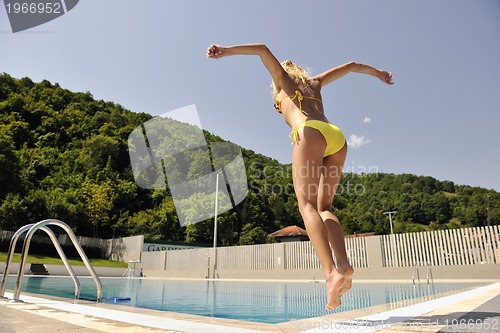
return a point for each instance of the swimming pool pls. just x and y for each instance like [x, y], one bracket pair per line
[265, 302]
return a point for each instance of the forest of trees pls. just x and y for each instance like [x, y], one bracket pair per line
[65, 155]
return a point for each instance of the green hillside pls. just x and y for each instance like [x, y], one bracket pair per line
[64, 155]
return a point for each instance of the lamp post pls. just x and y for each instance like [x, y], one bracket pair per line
[390, 218]
[393, 250]
[215, 222]
[488, 216]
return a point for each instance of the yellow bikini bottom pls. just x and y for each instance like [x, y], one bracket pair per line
[334, 137]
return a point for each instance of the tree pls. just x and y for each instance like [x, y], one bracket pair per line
[252, 235]
[98, 203]
[9, 166]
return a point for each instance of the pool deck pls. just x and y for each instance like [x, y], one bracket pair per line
[472, 310]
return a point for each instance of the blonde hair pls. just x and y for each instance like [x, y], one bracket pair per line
[294, 70]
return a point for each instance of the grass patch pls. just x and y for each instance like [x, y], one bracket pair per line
[38, 259]
[449, 195]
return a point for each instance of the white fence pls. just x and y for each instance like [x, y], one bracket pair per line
[455, 247]
[185, 260]
[291, 256]
[297, 255]
[300, 255]
[469, 246]
[246, 257]
[357, 251]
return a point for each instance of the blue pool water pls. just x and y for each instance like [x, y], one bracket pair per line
[266, 302]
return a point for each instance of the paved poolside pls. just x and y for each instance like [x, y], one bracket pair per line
[474, 310]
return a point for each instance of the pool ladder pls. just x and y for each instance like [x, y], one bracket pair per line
[31, 229]
[416, 275]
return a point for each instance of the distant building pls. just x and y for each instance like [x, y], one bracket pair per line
[291, 233]
[366, 234]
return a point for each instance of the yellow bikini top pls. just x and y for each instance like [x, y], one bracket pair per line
[299, 96]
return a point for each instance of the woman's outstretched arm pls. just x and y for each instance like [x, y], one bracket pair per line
[338, 72]
[268, 59]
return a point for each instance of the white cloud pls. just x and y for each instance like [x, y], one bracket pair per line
[355, 141]
[367, 120]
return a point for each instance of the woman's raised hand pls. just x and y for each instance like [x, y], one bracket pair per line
[216, 52]
[385, 77]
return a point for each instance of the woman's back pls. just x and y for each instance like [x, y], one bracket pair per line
[304, 103]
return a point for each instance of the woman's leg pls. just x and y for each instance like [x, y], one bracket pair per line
[307, 164]
[330, 178]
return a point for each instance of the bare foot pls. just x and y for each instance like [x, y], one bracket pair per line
[346, 271]
[333, 284]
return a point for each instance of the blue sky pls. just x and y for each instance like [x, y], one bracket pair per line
[440, 119]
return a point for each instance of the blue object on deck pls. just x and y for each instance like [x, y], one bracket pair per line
[120, 299]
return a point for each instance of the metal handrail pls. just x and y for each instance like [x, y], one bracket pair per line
[429, 274]
[12, 248]
[72, 236]
[429, 277]
[10, 253]
[415, 273]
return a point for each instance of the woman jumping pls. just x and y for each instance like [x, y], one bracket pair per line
[319, 152]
